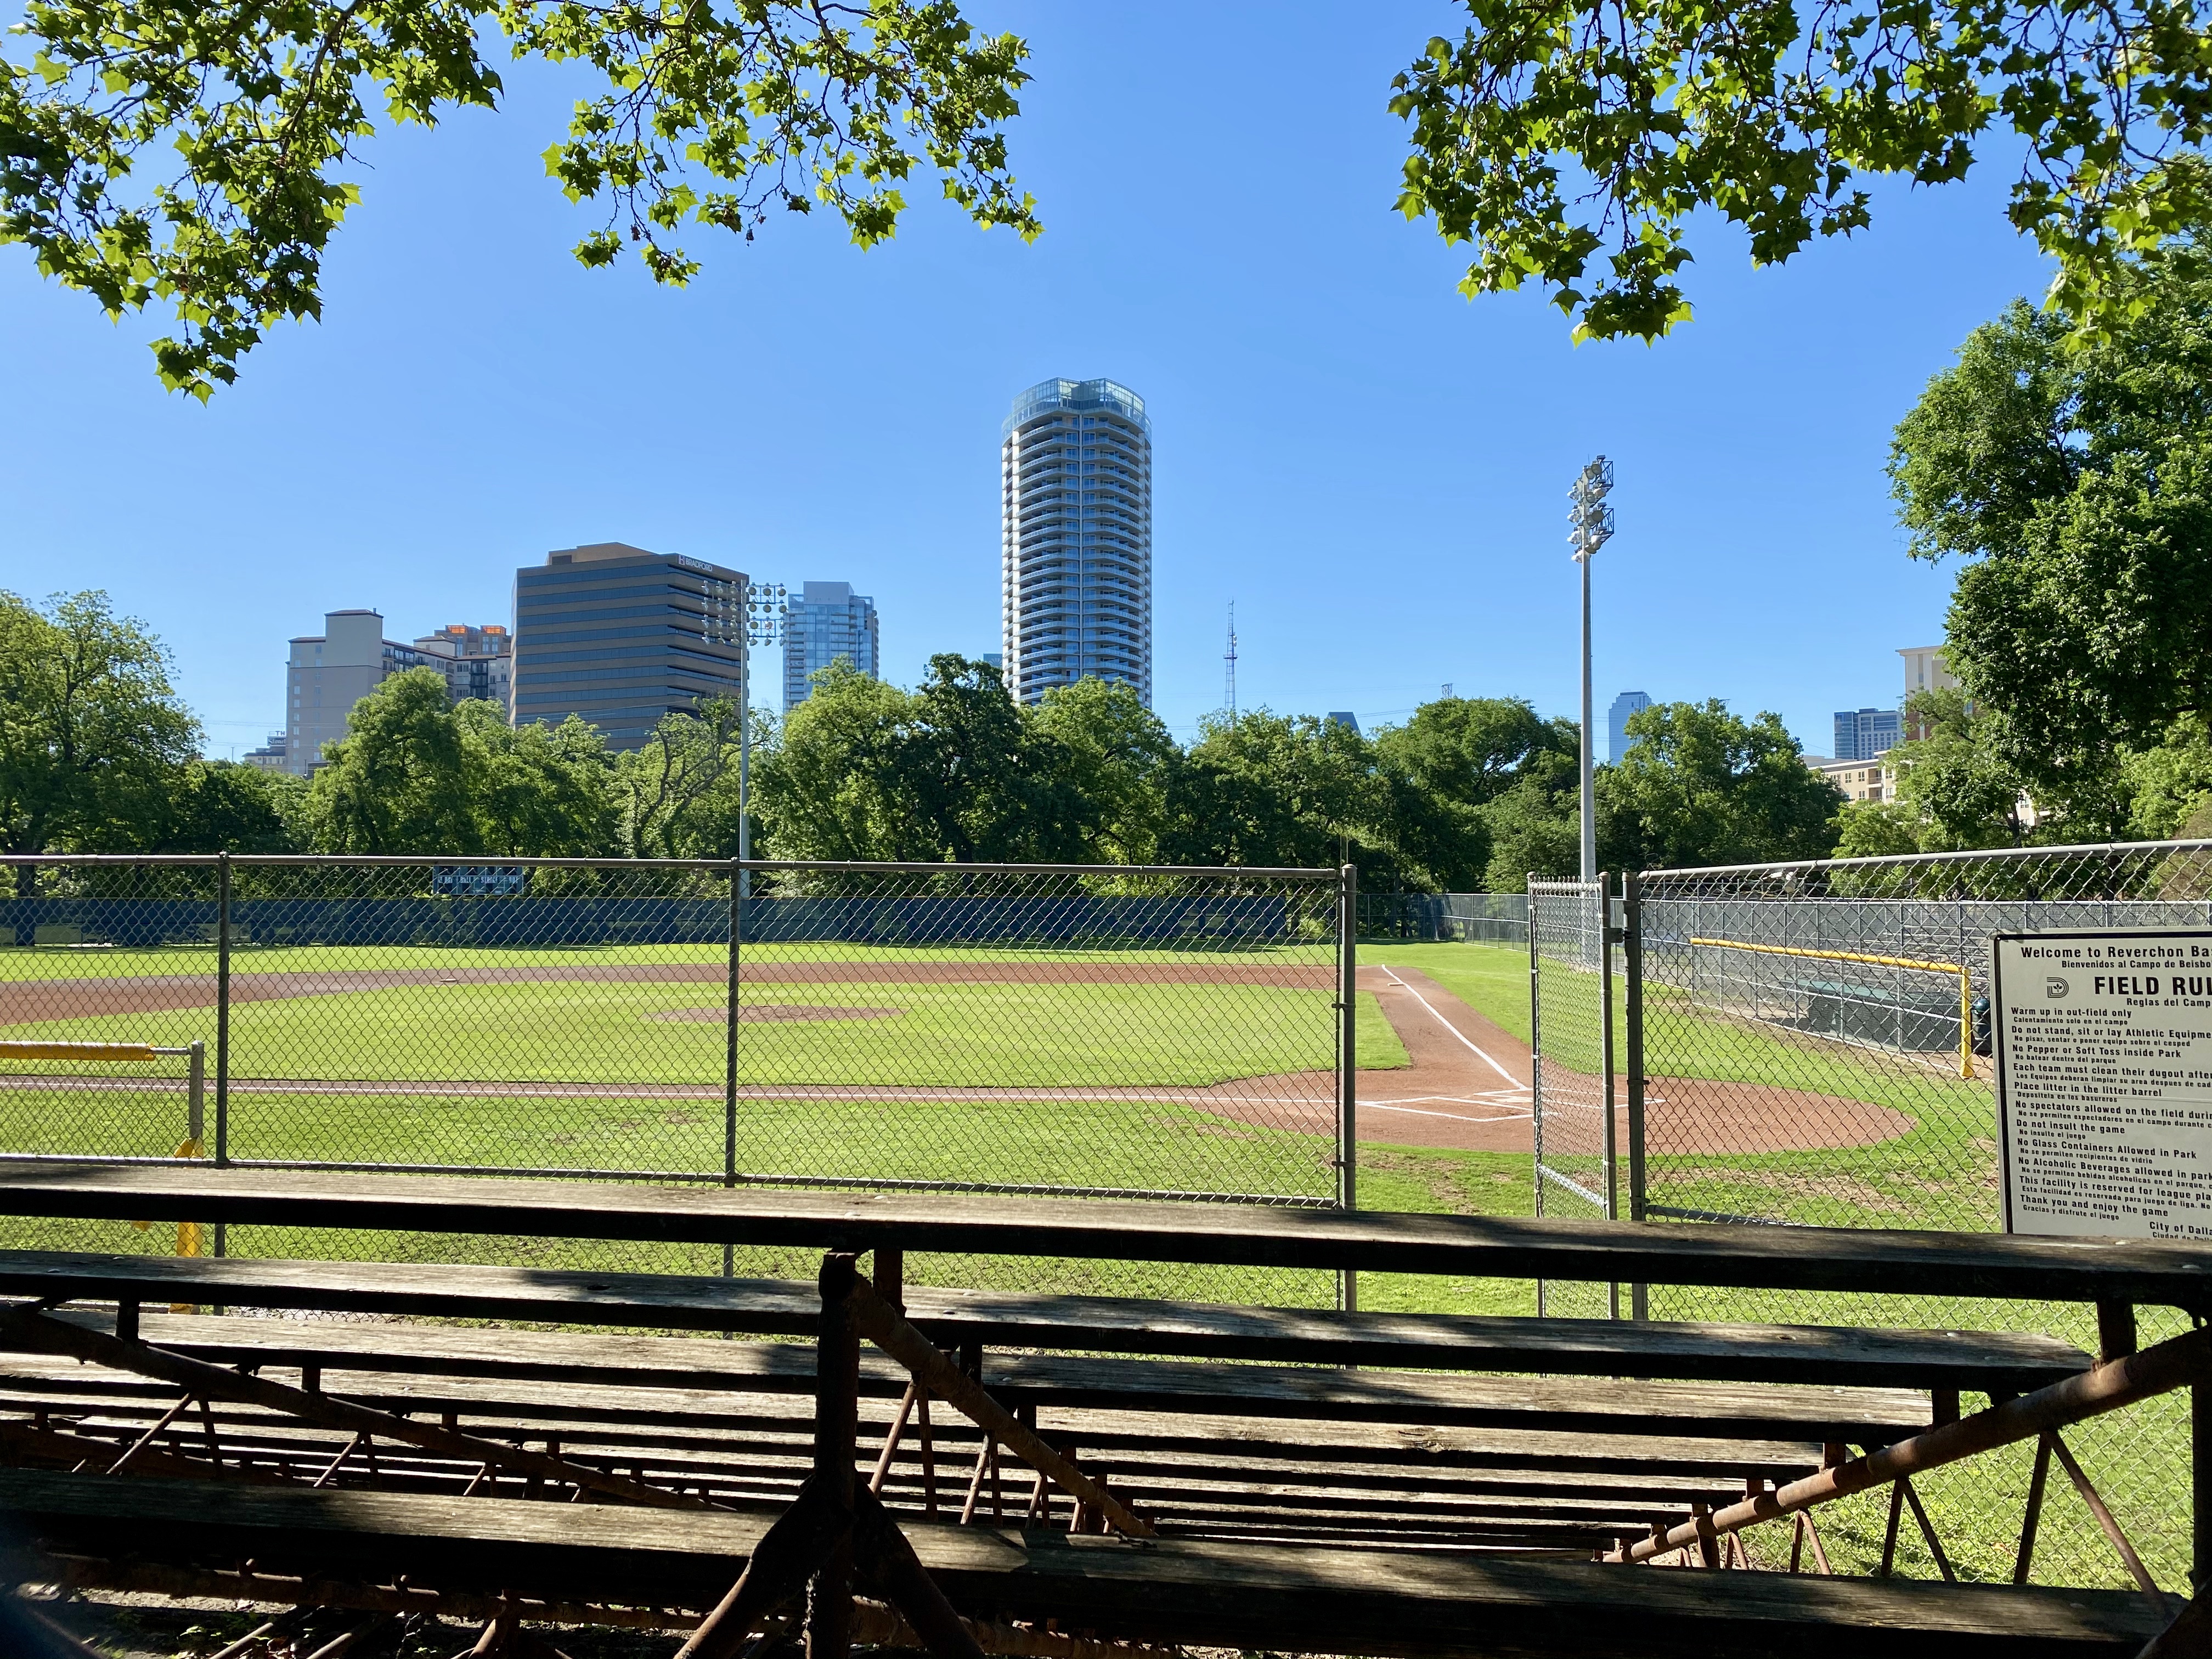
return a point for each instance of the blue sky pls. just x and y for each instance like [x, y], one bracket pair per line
[1372, 467]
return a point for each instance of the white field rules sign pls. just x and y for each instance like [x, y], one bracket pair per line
[2104, 1052]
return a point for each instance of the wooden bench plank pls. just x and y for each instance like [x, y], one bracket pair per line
[1782, 1258]
[1441, 1401]
[1290, 1598]
[1986, 1360]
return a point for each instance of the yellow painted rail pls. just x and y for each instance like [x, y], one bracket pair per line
[189, 1238]
[83, 1051]
[1965, 986]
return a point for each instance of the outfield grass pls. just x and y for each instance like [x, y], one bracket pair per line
[104, 961]
[930, 1034]
[594, 1039]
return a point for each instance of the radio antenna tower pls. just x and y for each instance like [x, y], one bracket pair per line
[1228, 666]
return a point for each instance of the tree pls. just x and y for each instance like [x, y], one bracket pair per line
[1272, 789]
[219, 806]
[1532, 824]
[954, 769]
[711, 115]
[537, 790]
[2169, 788]
[1876, 829]
[829, 789]
[1701, 786]
[2076, 485]
[1952, 785]
[1471, 748]
[417, 774]
[94, 738]
[1571, 141]
[986, 784]
[679, 792]
[1116, 756]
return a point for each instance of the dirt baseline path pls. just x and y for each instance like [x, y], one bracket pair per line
[1466, 1087]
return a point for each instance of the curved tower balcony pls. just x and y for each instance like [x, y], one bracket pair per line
[1076, 474]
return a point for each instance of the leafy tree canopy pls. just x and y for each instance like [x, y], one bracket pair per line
[2077, 486]
[952, 769]
[713, 113]
[93, 736]
[1701, 786]
[1571, 141]
[1952, 785]
[1471, 748]
[416, 773]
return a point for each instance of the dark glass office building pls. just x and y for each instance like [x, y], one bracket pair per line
[622, 637]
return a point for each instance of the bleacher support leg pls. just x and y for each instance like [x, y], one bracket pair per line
[836, 1445]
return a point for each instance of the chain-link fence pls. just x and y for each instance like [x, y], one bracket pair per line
[1461, 918]
[1075, 1030]
[1815, 1050]
[1571, 1013]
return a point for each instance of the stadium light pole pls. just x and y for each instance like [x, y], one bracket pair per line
[1589, 527]
[767, 605]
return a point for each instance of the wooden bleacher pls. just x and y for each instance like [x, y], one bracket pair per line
[1288, 1477]
[1282, 1598]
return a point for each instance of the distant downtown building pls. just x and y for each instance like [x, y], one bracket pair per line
[1863, 733]
[828, 621]
[478, 663]
[1616, 722]
[622, 637]
[327, 673]
[1076, 471]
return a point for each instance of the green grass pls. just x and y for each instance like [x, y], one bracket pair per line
[1939, 1172]
[584, 1031]
[1069, 1036]
[102, 961]
[602, 1036]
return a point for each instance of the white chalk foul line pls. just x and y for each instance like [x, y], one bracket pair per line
[1456, 1117]
[1453, 1029]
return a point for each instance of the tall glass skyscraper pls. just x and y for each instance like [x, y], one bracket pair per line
[1076, 468]
[827, 621]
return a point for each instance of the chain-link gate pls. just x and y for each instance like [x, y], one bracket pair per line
[1077, 1030]
[1814, 1049]
[1571, 1019]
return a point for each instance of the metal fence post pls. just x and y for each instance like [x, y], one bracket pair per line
[2200, 1486]
[1609, 1137]
[195, 1096]
[222, 1027]
[730, 1054]
[1631, 968]
[1535, 1074]
[1347, 1061]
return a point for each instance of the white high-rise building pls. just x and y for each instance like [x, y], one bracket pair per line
[1925, 669]
[1076, 468]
